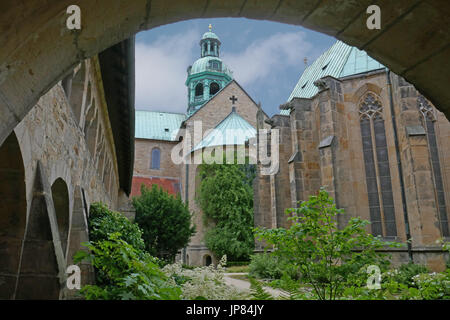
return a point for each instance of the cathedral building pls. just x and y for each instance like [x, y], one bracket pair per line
[219, 113]
[375, 143]
[350, 125]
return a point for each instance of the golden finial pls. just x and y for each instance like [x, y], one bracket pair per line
[210, 27]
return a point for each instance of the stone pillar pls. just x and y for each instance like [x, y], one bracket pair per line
[303, 162]
[418, 176]
[280, 183]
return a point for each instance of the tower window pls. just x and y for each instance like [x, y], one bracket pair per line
[376, 163]
[156, 159]
[199, 89]
[215, 65]
[213, 88]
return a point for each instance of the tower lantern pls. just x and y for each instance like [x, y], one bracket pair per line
[208, 74]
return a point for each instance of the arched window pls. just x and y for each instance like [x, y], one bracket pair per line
[376, 162]
[156, 159]
[207, 260]
[199, 89]
[428, 121]
[213, 88]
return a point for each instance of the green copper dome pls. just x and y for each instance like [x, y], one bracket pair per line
[210, 63]
[210, 35]
[208, 74]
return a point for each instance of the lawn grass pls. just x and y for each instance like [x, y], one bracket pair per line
[237, 269]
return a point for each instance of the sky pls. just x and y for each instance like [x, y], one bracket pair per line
[267, 59]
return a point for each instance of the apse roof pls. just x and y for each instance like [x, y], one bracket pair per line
[233, 130]
[341, 60]
[158, 125]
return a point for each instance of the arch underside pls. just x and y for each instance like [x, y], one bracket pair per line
[413, 41]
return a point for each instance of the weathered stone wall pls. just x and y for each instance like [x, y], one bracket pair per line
[68, 159]
[327, 150]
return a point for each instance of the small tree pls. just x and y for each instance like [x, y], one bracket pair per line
[165, 221]
[225, 196]
[326, 257]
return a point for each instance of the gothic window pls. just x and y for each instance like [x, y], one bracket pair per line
[376, 162]
[428, 120]
[156, 159]
[213, 88]
[199, 89]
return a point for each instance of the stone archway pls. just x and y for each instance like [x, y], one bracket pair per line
[38, 50]
[13, 210]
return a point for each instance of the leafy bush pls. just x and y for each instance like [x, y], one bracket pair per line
[127, 274]
[204, 282]
[433, 286]
[265, 266]
[327, 258]
[406, 272]
[165, 221]
[103, 222]
[225, 196]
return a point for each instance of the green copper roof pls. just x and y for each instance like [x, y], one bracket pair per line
[157, 125]
[233, 130]
[341, 60]
[210, 35]
[359, 61]
[203, 64]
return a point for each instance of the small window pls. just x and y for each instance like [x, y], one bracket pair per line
[156, 159]
[213, 88]
[215, 65]
[303, 86]
[199, 90]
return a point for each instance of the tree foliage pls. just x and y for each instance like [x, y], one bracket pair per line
[103, 222]
[327, 257]
[225, 196]
[165, 221]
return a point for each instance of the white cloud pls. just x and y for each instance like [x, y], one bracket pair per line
[161, 72]
[262, 65]
[264, 59]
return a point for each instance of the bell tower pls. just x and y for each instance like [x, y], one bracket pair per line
[208, 74]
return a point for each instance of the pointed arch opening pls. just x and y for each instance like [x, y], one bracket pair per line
[13, 210]
[60, 195]
[155, 159]
[199, 90]
[376, 164]
[428, 119]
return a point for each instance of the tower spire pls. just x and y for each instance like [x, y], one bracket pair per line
[210, 27]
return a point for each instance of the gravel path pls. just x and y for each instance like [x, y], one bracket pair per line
[245, 285]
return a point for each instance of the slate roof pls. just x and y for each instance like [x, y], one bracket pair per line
[158, 125]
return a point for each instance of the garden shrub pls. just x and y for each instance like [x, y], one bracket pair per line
[265, 266]
[204, 282]
[327, 257]
[103, 222]
[406, 272]
[127, 274]
[165, 221]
